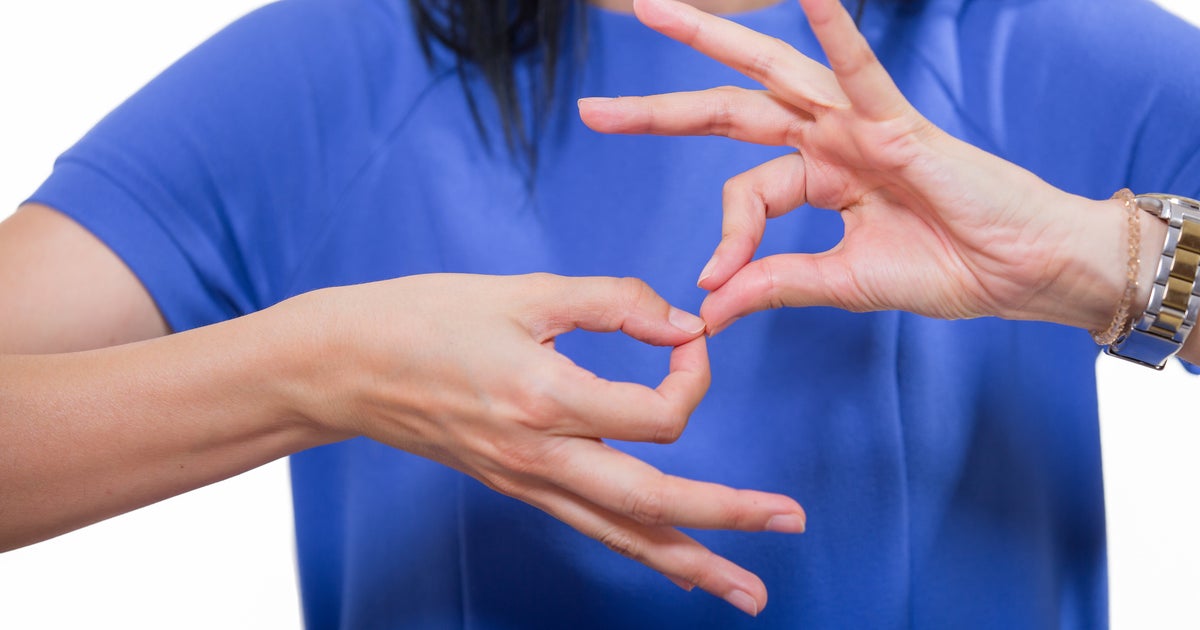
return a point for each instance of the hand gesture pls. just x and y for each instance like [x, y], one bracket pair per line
[932, 225]
[462, 369]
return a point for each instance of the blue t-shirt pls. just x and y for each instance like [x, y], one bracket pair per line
[951, 470]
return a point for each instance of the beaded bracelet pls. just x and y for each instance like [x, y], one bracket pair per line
[1121, 321]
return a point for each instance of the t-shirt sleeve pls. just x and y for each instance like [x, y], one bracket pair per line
[212, 180]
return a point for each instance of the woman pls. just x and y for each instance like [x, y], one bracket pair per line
[953, 464]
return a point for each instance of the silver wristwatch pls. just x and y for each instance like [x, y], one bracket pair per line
[1175, 297]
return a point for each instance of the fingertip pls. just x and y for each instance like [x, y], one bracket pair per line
[750, 599]
[743, 601]
[714, 330]
[714, 313]
[591, 112]
[732, 254]
[819, 11]
[685, 321]
[792, 523]
[652, 13]
[706, 273]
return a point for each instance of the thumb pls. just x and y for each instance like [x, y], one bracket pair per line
[779, 281]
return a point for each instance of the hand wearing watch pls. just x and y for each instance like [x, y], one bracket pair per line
[1171, 314]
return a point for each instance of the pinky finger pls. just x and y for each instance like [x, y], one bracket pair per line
[665, 549]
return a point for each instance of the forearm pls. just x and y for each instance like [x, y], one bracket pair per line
[93, 434]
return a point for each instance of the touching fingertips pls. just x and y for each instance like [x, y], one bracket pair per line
[685, 321]
[714, 329]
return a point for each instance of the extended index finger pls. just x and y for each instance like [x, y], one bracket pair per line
[768, 60]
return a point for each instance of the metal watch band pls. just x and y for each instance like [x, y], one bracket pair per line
[1175, 297]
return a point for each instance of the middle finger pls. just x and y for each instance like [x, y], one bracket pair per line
[624, 484]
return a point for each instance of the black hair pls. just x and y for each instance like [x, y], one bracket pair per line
[491, 36]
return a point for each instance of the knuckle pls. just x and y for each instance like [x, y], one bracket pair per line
[764, 62]
[736, 516]
[634, 294]
[722, 113]
[734, 186]
[745, 199]
[634, 289]
[621, 541]
[503, 484]
[671, 427]
[516, 462]
[857, 56]
[700, 574]
[646, 505]
[771, 288]
[861, 55]
[844, 289]
[761, 65]
[537, 406]
[795, 134]
[520, 458]
[542, 279]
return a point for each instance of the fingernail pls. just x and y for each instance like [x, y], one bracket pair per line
[786, 524]
[743, 602]
[593, 99]
[685, 321]
[707, 270]
[687, 586]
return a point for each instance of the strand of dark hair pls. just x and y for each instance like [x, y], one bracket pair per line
[490, 37]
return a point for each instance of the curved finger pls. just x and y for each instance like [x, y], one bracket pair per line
[862, 78]
[664, 549]
[764, 192]
[603, 304]
[768, 60]
[748, 115]
[598, 408]
[783, 280]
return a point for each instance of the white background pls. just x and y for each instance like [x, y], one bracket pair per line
[222, 557]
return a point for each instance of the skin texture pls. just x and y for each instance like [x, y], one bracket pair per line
[932, 225]
[103, 411]
[710, 6]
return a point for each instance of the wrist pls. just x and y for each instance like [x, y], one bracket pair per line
[1092, 263]
[298, 358]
